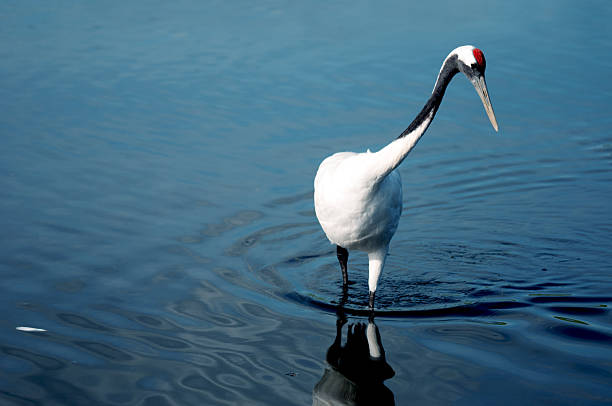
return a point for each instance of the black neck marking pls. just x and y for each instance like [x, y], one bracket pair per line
[449, 70]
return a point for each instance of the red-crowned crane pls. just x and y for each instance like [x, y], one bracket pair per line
[358, 196]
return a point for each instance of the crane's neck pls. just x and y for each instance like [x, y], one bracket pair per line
[393, 154]
[419, 125]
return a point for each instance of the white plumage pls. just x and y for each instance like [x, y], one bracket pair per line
[358, 196]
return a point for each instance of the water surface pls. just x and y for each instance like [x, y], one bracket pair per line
[157, 164]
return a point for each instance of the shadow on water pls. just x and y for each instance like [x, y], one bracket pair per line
[356, 370]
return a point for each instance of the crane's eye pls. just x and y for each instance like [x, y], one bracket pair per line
[479, 56]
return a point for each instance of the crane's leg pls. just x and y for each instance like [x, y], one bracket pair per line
[371, 301]
[343, 259]
[376, 264]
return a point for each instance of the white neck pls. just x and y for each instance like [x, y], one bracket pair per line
[391, 156]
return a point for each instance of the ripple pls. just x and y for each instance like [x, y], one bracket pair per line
[534, 287]
[195, 381]
[570, 299]
[463, 311]
[149, 321]
[60, 390]
[181, 250]
[578, 311]
[213, 363]
[43, 362]
[288, 200]
[263, 236]
[234, 381]
[104, 351]
[462, 334]
[80, 321]
[239, 219]
[571, 320]
[582, 333]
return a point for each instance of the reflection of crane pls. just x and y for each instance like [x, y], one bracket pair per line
[358, 196]
[357, 370]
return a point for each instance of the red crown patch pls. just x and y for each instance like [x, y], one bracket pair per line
[479, 56]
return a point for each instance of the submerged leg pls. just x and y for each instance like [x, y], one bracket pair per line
[371, 301]
[343, 259]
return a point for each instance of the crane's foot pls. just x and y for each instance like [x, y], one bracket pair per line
[371, 301]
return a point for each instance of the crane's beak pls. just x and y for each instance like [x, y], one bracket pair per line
[481, 87]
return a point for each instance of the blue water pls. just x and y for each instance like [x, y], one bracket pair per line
[157, 161]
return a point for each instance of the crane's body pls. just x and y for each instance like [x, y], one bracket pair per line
[358, 196]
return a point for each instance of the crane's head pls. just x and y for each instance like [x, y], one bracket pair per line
[471, 61]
